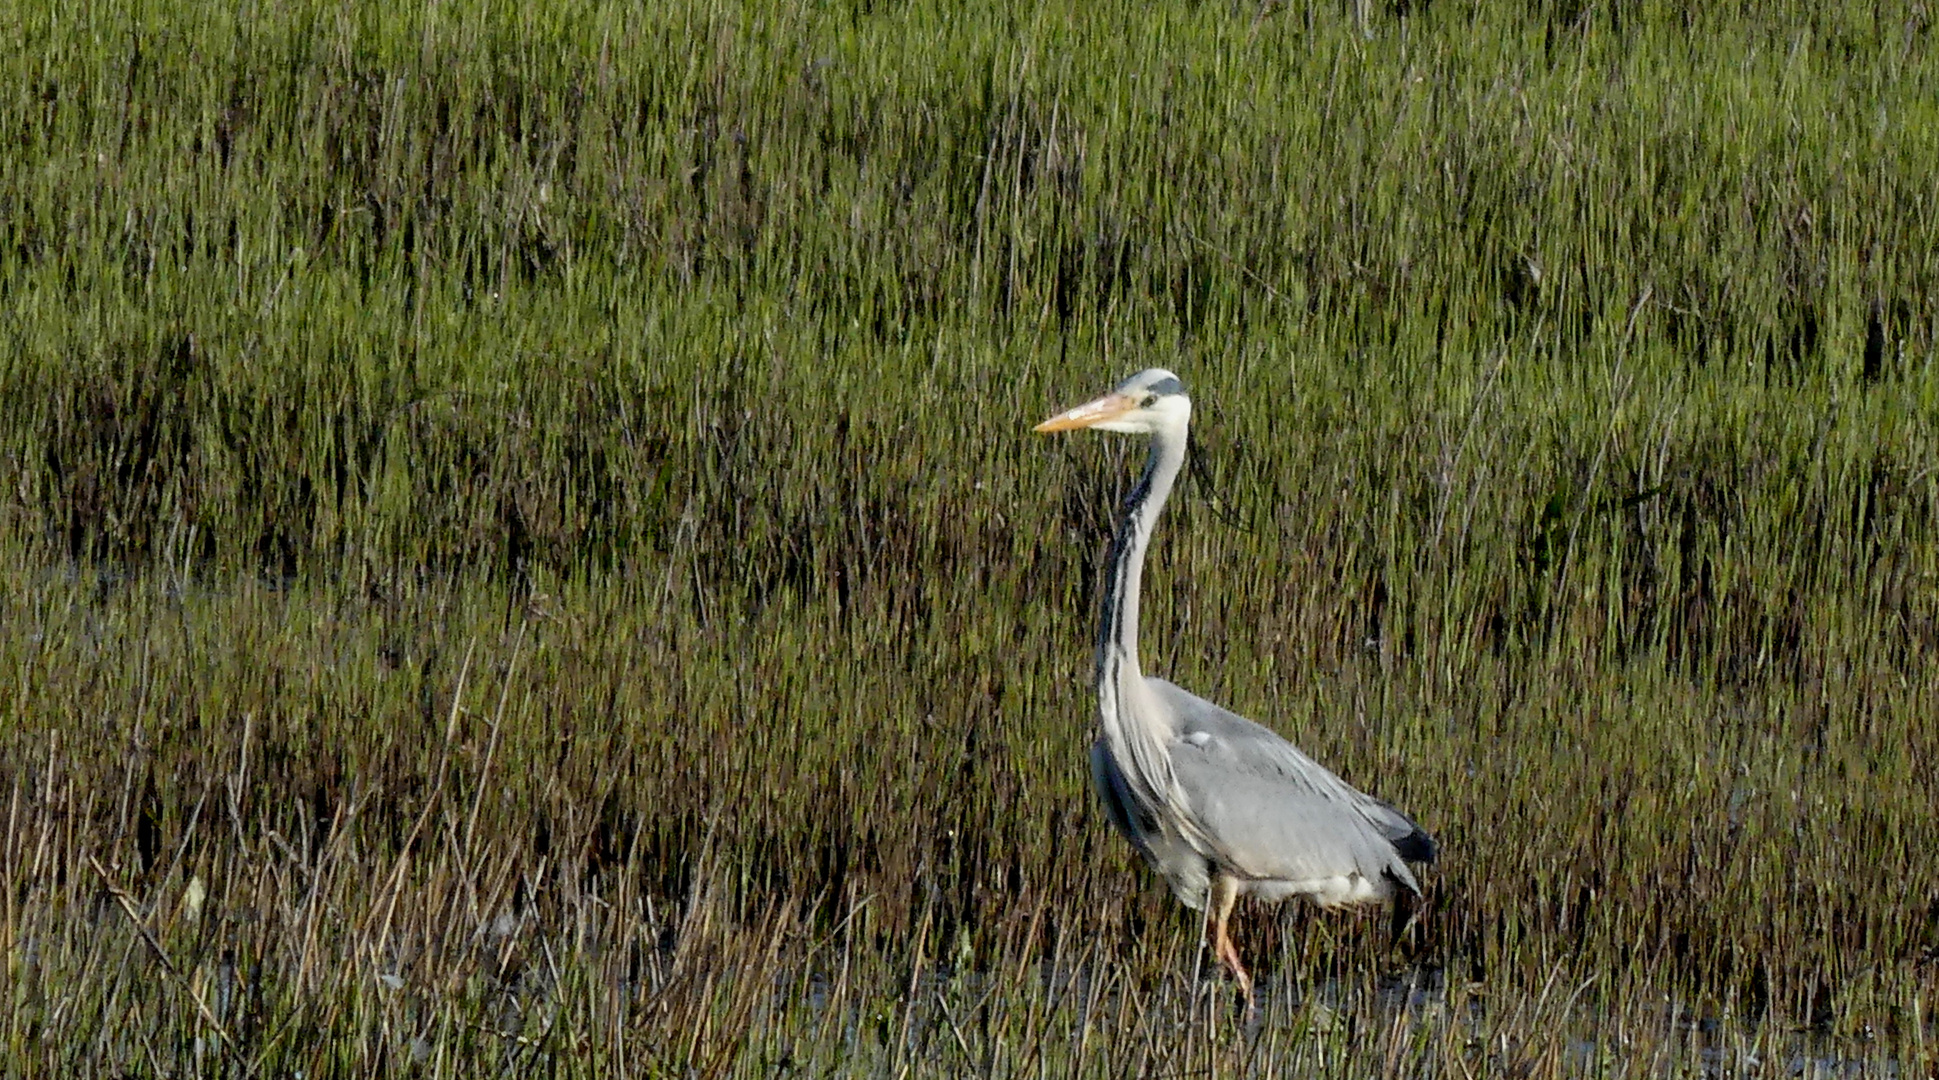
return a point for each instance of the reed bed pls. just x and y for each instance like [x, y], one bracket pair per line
[522, 549]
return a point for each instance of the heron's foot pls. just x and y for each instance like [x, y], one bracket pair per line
[1246, 997]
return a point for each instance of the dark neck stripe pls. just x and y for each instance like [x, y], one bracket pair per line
[1124, 560]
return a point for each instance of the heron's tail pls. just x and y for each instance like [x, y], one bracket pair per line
[1409, 839]
[1417, 846]
[1413, 845]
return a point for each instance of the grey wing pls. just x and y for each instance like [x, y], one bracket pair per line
[1273, 814]
[1182, 867]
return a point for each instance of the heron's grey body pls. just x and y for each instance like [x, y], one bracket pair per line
[1270, 816]
[1219, 806]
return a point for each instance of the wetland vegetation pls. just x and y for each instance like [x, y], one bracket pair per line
[521, 548]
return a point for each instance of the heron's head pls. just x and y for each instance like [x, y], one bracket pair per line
[1151, 401]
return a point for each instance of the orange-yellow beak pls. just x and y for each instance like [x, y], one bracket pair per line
[1091, 413]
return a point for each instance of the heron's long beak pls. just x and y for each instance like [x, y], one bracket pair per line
[1091, 413]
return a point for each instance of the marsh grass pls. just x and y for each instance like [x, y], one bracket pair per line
[522, 550]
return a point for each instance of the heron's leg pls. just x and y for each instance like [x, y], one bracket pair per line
[1225, 892]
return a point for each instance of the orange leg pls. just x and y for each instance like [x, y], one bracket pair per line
[1225, 892]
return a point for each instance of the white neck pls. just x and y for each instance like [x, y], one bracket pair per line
[1132, 728]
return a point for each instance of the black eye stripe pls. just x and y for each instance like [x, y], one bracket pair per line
[1167, 386]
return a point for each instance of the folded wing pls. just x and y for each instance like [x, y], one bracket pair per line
[1273, 815]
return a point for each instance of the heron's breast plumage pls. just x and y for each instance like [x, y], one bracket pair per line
[1168, 853]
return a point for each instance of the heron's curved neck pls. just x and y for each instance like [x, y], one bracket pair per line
[1117, 631]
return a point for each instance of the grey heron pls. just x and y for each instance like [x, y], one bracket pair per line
[1219, 806]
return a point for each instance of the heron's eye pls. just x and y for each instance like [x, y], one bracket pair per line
[1149, 401]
